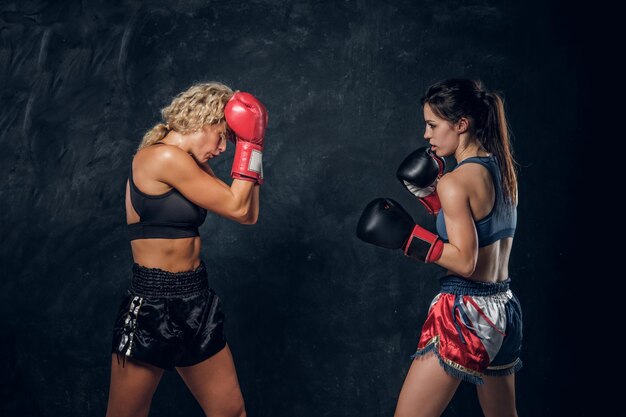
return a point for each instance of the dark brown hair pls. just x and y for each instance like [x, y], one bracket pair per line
[455, 98]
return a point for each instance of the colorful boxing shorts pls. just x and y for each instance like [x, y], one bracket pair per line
[169, 319]
[474, 328]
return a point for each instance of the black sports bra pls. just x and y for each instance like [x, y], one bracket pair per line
[167, 216]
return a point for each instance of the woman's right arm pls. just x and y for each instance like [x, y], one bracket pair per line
[253, 216]
[238, 202]
[254, 212]
[460, 255]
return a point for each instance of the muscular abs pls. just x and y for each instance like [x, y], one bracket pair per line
[168, 254]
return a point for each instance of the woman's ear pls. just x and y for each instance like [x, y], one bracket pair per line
[463, 125]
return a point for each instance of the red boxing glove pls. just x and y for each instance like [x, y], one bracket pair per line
[247, 118]
[423, 245]
[248, 162]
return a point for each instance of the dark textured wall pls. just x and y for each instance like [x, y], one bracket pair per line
[320, 323]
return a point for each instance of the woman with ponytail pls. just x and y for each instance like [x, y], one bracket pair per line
[170, 318]
[473, 331]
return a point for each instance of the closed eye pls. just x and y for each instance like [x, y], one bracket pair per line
[228, 134]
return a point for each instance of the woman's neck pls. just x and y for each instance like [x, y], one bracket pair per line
[469, 152]
[175, 139]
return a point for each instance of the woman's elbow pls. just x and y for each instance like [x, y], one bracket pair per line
[250, 220]
[466, 269]
[461, 262]
[254, 218]
[246, 216]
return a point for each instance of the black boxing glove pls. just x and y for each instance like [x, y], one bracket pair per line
[419, 173]
[386, 223]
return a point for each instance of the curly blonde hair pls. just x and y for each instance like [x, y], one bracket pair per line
[202, 104]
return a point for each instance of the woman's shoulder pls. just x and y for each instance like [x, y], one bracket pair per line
[163, 163]
[473, 165]
[160, 156]
[452, 186]
[469, 175]
[468, 181]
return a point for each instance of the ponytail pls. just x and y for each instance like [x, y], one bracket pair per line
[152, 136]
[496, 140]
[201, 104]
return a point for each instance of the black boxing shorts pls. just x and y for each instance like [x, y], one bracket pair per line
[169, 319]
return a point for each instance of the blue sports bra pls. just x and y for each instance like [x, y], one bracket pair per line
[501, 221]
[169, 215]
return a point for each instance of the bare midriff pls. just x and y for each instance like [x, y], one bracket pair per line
[493, 262]
[175, 255]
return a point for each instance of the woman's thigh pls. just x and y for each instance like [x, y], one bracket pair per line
[132, 386]
[214, 384]
[427, 389]
[497, 396]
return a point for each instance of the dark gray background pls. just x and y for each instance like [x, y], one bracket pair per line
[320, 324]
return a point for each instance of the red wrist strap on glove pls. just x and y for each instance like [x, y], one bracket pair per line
[431, 202]
[423, 245]
[248, 162]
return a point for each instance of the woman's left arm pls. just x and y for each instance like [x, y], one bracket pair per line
[254, 206]
[207, 168]
[461, 253]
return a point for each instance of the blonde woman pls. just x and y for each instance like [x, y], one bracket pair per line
[170, 318]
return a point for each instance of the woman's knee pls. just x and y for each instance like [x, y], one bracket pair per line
[119, 410]
[234, 410]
